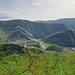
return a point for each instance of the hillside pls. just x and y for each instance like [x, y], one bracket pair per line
[36, 62]
[66, 38]
[68, 21]
[24, 29]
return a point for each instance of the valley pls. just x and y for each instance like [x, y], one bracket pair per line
[37, 37]
[37, 48]
[60, 32]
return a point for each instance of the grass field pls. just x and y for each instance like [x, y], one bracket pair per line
[3, 36]
[47, 45]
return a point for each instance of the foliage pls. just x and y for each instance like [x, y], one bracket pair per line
[55, 48]
[10, 48]
[47, 44]
[35, 63]
[3, 35]
[66, 38]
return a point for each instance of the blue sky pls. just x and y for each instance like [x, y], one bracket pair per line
[37, 9]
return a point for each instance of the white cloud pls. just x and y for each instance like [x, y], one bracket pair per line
[38, 0]
[41, 0]
[37, 4]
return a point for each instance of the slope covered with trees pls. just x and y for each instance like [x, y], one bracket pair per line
[66, 38]
[35, 63]
[23, 29]
[18, 60]
[69, 21]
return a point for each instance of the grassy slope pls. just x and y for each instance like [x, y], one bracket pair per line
[64, 38]
[3, 36]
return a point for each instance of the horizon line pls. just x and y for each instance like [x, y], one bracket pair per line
[34, 20]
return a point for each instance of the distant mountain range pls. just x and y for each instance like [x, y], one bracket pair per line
[24, 29]
[68, 21]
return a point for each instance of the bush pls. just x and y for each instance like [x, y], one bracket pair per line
[55, 48]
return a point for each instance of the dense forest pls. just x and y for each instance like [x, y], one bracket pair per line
[37, 62]
[34, 62]
[69, 21]
[24, 29]
[66, 38]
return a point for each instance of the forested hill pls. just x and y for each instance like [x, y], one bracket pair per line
[66, 38]
[68, 21]
[24, 29]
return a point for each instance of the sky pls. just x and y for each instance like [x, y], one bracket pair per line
[37, 9]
